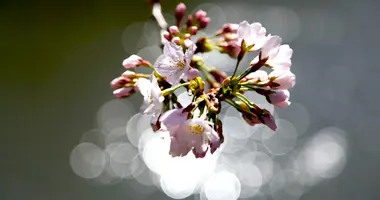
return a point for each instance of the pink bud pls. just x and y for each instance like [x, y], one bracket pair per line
[193, 30]
[180, 12]
[123, 92]
[189, 21]
[132, 62]
[267, 119]
[118, 83]
[128, 74]
[230, 28]
[173, 30]
[204, 22]
[251, 119]
[200, 14]
[176, 40]
[166, 35]
[192, 74]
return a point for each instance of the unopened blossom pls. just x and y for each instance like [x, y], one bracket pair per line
[180, 12]
[252, 34]
[279, 98]
[174, 64]
[282, 79]
[274, 54]
[192, 74]
[152, 97]
[124, 92]
[189, 134]
[132, 62]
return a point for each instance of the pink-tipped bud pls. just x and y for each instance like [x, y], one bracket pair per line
[193, 30]
[204, 22]
[118, 82]
[128, 74]
[266, 118]
[173, 30]
[188, 43]
[176, 40]
[251, 119]
[180, 11]
[230, 28]
[166, 35]
[200, 14]
[189, 21]
[232, 48]
[123, 92]
[132, 62]
[230, 36]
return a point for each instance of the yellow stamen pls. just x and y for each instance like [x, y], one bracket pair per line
[196, 129]
[180, 65]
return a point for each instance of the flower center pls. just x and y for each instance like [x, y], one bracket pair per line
[150, 99]
[180, 65]
[196, 129]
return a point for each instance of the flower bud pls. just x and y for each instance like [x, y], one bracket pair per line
[132, 62]
[251, 119]
[232, 48]
[129, 74]
[204, 22]
[180, 11]
[167, 35]
[200, 14]
[192, 74]
[123, 92]
[189, 21]
[176, 40]
[193, 30]
[230, 28]
[118, 82]
[173, 30]
[266, 118]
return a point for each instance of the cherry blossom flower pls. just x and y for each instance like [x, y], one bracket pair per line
[174, 64]
[253, 35]
[189, 134]
[274, 54]
[152, 97]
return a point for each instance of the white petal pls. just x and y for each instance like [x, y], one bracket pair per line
[271, 46]
[189, 53]
[144, 86]
[173, 51]
[244, 30]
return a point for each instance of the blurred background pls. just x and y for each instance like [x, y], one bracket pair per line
[57, 59]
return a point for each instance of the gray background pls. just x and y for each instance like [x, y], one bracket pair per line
[57, 59]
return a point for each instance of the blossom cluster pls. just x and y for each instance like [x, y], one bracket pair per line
[196, 127]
